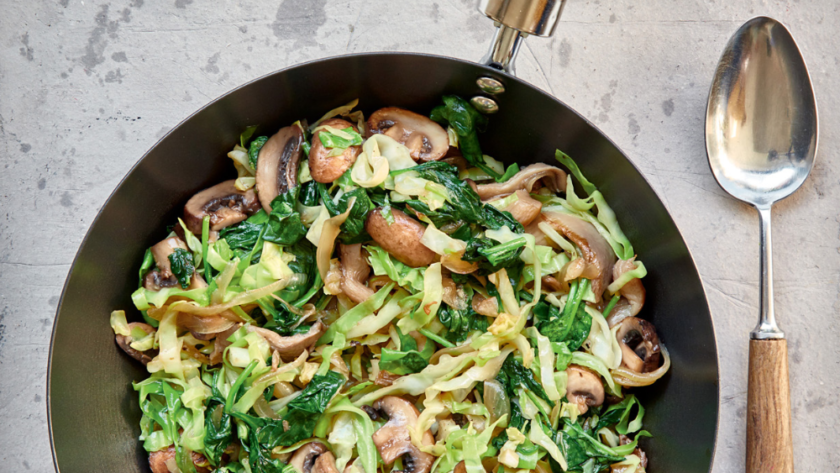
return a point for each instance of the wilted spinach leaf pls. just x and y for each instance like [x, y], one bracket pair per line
[353, 229]
[461, 322]
[309, 194]
[254, 150]
[513, 375]
[467, 122]
[569, 327]
[579, 448]
[492, 256]
[284, 225]
[217, 423]
[181, 264]
[408, 359]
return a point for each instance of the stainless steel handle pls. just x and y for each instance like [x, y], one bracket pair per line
[766, 328]
[515, 20]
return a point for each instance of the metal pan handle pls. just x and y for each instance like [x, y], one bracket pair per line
[515, 20]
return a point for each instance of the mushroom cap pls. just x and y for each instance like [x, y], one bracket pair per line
[393, 439]
[425, 139]
[124, 342]
[354, 272]
[584, 388]
[291, 347]
[640, 350]
[401, 239]
[161, 252]
[153, 281]
[323, 167]
[224, 203]
[304, 458]
[277, 164]
[158, 459]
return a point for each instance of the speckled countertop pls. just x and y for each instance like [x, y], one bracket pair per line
[86, 87]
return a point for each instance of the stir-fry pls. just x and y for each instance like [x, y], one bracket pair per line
[380, 296]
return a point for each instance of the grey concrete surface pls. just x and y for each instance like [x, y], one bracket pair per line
[86, 87]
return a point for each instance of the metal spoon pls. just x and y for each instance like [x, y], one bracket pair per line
[761, 138]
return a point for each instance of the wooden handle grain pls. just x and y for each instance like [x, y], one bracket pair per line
[769, 444]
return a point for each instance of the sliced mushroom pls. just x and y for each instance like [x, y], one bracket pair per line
[354, 272]
[393, 439]
[596, 252]
[325, 463]
[554, 178]
[224, 203]
[124, 341]
[323, 167]
[277, 164]
[161, 252]
[354, 466]
[401, 239]
[640, 350]
[304, 458]
[461, 467]
[633, 290]
[160, 460]
[153, 281]
[539, 237]
[221, 343]
[291, 347]
[525, 209]
[584, 388]
[426, 140]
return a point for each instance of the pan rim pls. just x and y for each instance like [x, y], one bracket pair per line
[496, 72]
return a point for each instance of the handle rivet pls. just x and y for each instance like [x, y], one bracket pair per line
[491, 86]
[484, 105]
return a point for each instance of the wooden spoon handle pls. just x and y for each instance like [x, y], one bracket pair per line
[769, 445]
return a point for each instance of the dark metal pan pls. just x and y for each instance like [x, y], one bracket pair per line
[93, 410]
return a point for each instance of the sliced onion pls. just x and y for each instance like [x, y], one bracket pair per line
[204, 325]
[631, 379]
[496, 400]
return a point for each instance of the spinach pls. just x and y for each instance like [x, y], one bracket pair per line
[492, 256]
[331, 140]
[218, 427]
[572, 326]
[244, 235]
[513, 375]
[304, 263]
[619, 415]
[309, 194]
[461, 322]
[517, 420]
[261, 439]
[181, 263]
[284, 225]
[467, 122]
[353, 229]
[582, 451]
[408, 359]
[306, 409]
[246, 135]
[464, 200]
[254, 150]
[564, 355]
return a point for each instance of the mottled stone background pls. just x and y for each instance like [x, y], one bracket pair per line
[86, 87]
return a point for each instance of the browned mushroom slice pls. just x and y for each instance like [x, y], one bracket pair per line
[354, 272]
[640, 350]
[425, 139]
[584, 388]
[291, 347]
[305, 456]
[124, 341]
[324, 167]
[554, 178]
[633, 290]
[161, 252]
[277, 164]
[401, 239]
[524, 209]
[393, 439]
[224, 203]
[596, 252]
[153, 281]
[325, 463]
[158, 461]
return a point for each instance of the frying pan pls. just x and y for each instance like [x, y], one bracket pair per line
[92, 408]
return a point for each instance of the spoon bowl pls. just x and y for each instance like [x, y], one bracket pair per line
[761, 121]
